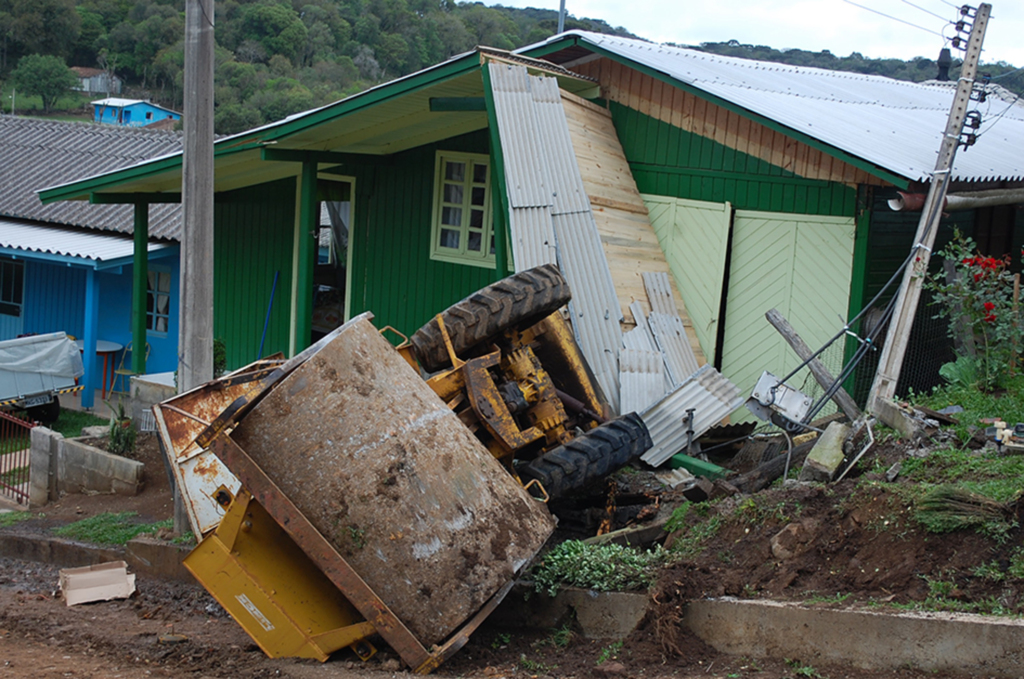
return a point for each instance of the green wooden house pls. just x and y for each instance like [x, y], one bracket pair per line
[720, 171]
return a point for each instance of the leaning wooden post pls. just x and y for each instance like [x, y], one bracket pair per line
[817, 368]
[891, 362]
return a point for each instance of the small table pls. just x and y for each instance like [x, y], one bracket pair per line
[106, 349]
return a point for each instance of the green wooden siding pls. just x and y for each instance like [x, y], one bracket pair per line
[668, 161]
[694, 236]
[798, 264]
[392, 273]
[252, 240]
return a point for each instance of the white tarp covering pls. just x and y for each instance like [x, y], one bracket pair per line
[52, 354]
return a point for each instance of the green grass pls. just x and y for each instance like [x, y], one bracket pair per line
[71, 422]
[110, 528]
[693, 543]
[25, 105]
[985, 472]
[11, 518]
[1007, 405]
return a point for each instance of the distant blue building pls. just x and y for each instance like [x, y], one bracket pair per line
[131, 112]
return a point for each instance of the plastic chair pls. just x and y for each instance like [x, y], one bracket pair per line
[125, 373]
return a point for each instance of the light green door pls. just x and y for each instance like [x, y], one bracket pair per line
[694, 235]
[798, 264]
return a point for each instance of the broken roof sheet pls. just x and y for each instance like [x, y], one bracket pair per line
[893, 124]
[40, 153]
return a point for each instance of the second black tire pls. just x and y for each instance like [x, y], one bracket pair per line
[591, 456]
[516, 301]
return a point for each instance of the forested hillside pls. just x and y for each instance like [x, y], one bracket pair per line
[277, 57]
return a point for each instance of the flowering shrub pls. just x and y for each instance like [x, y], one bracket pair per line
[978, 301]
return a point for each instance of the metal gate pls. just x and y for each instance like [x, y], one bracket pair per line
[15, 450]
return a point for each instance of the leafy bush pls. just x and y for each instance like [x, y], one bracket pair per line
[599, 567]
[122, 432]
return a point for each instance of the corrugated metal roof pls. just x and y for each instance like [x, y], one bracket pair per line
[670, 335]
[708, 392]
[40, 153]
[659, 292]
[533, 237]
[93, 245]
[641, 381]
[893, 124]
[526, 172]
[568, 193]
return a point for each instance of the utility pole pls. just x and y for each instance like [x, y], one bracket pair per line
[195, 336]
[561, 16]
[891, 361]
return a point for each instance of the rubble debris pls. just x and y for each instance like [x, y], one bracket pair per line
[673, 478]
[908, 421]
[99, 582]
[826, 456]
[765, 474]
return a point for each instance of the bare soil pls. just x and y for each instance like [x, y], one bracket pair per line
[850, 542]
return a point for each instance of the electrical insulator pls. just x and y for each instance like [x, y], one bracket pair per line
[972, 120]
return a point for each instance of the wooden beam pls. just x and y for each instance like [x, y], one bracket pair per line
[331, 157]
[820, 372]
[446, 104]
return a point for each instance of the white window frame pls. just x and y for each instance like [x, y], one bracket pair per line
[462, 255]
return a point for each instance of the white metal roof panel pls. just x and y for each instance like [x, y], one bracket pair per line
[567, 191]
[533, 237]
[99, 247]
[526, 172]
[670, 335]
[641, 381]
[708, 392]
[893, 124]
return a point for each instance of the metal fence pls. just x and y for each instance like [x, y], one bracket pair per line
[15, 450]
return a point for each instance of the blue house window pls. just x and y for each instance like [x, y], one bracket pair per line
[12, 287]
[158, 300]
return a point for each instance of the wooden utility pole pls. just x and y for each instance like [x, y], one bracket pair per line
[891, 361]
[195, 335]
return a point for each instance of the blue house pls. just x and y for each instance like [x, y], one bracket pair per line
[130, 112]
[70, 266]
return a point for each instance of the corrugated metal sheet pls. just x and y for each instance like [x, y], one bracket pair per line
[670, 335]
[641, 381]
[659, 292]
[92, 245]
[894, 124]
[594, 309]
[712, 397]
[527, 176]
[41, 153]
[533, 237]
[568, 193]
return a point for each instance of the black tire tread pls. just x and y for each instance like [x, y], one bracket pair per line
[520, 299]
[591, 456]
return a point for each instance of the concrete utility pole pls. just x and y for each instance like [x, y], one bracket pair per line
[195, 337]
[891, 362]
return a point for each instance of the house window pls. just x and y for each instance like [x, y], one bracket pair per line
[158, 300]
[461, 230]
[12, 287]
[149, 115]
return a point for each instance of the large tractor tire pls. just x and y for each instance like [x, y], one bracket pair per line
[591, 456]
[520, 300]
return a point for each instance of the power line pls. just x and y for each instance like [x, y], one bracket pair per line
[902, 21]
[926, 11]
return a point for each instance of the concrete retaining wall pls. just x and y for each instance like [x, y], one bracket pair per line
[58, 465]
[873, 641]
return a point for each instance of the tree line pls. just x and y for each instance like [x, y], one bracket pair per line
[277, 57]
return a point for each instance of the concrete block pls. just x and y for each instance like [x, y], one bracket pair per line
[827, 454]
[600, 615]
[158, 559]
[147, 391]
[906, 421]
[81, 468]
[42, 466]
[988, 646]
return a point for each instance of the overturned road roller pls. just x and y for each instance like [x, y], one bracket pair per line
[344, 495]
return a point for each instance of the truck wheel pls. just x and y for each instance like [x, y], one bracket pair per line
[520, 300]
[46, 413]
[591, 456]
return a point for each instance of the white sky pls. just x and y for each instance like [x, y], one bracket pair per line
[813, 25]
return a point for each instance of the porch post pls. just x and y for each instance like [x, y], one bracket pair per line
[92, 317]
[141, 269]
[309, 219]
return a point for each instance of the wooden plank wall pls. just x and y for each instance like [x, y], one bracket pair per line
[689, 112]
[630, 243]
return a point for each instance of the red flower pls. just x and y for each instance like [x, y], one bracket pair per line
[990, 318]
[978, 277]
[989, 306]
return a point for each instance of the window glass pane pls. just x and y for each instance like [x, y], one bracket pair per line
[478, 195]
[453, 193]
[149, 322]
[161, 324]
[19, 281]
[7, 284]
[479, 173]
[492, 245]
[449, 239]
[165, 282]
[162, 302]
[474, 240]
[451, 216]
[151, 278]
[455, 172]
[149, 303]
[476, 218]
